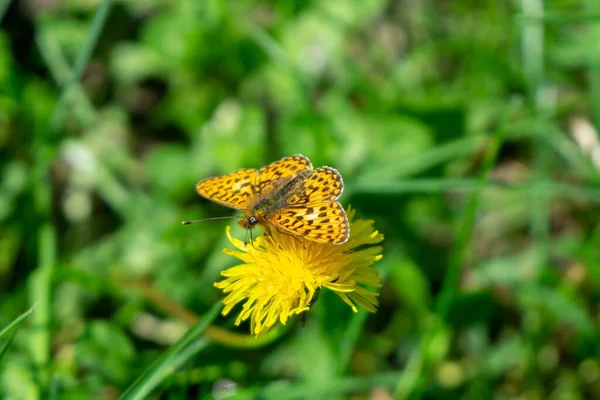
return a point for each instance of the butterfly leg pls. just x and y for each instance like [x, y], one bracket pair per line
[246, 238]
[249, 232]
[295, 237]
[251, 239]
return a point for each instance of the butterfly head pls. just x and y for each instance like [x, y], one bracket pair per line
[249, 222]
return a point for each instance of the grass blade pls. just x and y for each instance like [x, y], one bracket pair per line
[532, 42]
[12, 330]
[434, 185]
[324, 390]
[450, 285]
[17, 321]
[4, 4]
[169, 361]
[84, 55]
[421, 162]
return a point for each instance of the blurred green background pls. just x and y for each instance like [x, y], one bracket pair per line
[465, 129]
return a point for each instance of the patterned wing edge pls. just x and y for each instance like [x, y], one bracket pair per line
[314, 190]
[313, 222]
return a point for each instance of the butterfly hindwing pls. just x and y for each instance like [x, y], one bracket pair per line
[324, 222]
[235, 190]
[325, 184]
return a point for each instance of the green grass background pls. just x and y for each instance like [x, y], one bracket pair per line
[457, 126]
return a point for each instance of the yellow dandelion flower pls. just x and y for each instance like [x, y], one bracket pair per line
[281, 274]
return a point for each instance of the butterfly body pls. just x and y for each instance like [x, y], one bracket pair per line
[274, 200]
[287, 194]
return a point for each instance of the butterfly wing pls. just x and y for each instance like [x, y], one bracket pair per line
[287, 167]
[325, 184]
[324, 222]
[235, 190]
[312, 210]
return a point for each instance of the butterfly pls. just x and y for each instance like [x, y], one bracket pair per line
[289, 195]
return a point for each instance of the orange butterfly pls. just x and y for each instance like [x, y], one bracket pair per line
[287, 194]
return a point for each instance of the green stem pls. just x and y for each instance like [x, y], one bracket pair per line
[533, 65]
[170, 360]
[593, 30]
[4, 4]
[547, 188]
[83, 57]
[451, 279]
[62, 74]
[40, 283]
[11, 330]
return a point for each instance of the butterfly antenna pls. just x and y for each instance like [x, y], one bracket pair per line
[207, 219]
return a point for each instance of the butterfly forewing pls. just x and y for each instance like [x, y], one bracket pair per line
[274, 173]
[235, 190]
[324, 222]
